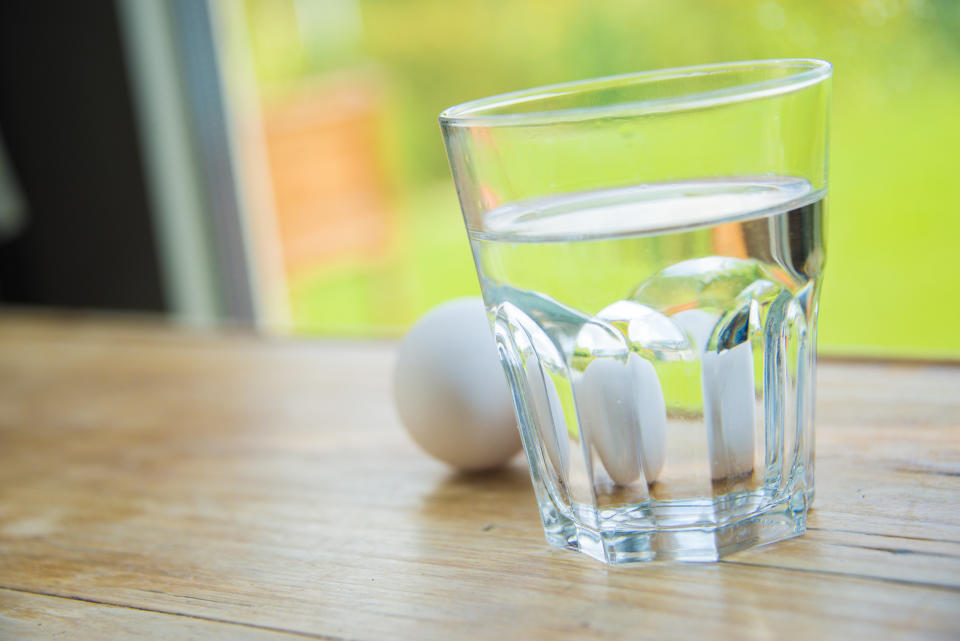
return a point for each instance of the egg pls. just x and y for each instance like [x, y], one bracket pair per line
[622, 412]
[450, 390]
[729, 407]
[729, 404]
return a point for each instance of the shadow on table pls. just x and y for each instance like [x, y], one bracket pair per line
[481, 499]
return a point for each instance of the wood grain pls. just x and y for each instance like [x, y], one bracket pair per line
[163, 483]
[25, 616]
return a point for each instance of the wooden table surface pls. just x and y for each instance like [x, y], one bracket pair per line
[165, 484]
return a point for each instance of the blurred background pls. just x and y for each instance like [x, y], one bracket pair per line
[278, 162]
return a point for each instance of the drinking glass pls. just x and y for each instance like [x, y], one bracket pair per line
[650, 251]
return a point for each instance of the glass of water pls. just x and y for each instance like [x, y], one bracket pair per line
[650, 251]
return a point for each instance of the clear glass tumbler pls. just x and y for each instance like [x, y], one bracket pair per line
[650, 250]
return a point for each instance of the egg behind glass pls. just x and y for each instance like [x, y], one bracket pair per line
[450, 390]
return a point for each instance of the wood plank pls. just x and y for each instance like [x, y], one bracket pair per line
[268, 482]
[25, 617]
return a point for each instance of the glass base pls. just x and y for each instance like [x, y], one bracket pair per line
[699, 544]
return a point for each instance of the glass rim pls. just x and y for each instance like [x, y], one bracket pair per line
[809, 71]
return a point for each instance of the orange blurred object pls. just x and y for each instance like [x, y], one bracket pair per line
[330, 191]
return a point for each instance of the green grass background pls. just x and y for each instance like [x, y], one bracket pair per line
[891, 285]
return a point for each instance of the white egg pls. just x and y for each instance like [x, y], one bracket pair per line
[698, 324]
[622, 412]
[729, 403]
[450, 390]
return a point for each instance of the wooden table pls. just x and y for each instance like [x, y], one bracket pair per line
[167, 484]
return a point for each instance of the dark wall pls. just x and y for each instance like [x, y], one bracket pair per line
[68, 123]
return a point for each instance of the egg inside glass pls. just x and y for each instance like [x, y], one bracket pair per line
[650, 252]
